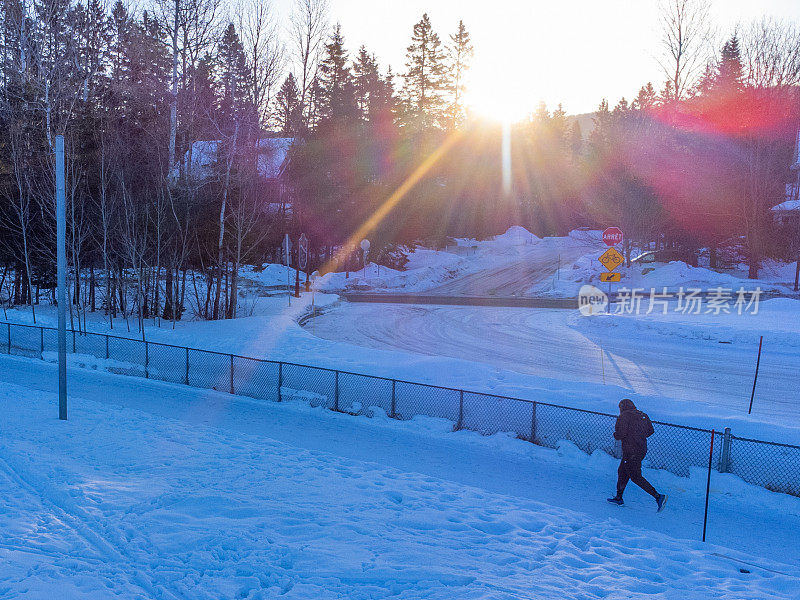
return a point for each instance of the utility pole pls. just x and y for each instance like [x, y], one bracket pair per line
[61, 264]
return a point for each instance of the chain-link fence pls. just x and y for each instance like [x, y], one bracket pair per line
[675, 448]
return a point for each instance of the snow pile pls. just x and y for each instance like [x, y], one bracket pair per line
[161, 491]
[271, 275]
[487, 265]
[516, 236]
[776, 271]
[673, 276]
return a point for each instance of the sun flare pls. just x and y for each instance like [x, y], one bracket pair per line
[492, 94]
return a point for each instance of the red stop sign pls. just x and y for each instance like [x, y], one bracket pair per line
[612, 236]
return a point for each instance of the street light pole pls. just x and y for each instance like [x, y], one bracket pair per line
[61, 266]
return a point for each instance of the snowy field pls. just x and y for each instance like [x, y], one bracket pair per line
[162, 491]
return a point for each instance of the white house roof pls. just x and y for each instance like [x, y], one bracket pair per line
[271, 157]
[788, 206]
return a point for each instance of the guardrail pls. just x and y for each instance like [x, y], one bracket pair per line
[675, 448]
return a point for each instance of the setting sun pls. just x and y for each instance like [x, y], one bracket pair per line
[492, 98]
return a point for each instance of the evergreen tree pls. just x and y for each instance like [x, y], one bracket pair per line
[667, 95]
[558, 128]
[459, 53]
[337, 90]
[233, 77]
[730, 73]
[705, 83]
[382, 102]
[621, 109]
[204, 99]
[426, 77]
[288, 101]
[599, 137]
[365, 79]
[576, 140]
[645, 99]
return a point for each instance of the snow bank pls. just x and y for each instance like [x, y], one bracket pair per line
[673, 276]
[776, 320]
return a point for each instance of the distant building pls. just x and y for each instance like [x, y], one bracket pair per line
[788, 211]
[273, 156]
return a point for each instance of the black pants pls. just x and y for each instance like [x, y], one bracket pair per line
[630, 468]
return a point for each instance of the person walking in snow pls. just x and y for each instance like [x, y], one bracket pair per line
[633, 427]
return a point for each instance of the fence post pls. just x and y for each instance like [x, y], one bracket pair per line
[41, 340]
[533, 423]
[280, 381]
[393, 413]
[725, 458]
[74, 351]
[186, 373]
[8, 325]
[231, 373]
[108, 355]
[336, 393]
[147, 360]
[460, 410]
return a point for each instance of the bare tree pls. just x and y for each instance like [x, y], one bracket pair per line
[771, 51]
[264, 51]
[22, 204]
[686, 40]
[308, 23]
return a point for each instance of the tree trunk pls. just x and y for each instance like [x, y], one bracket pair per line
[168, 283]
[92, 296]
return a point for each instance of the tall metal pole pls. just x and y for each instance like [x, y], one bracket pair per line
[61, 262]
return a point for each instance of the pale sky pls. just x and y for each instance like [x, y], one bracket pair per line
[576, 52]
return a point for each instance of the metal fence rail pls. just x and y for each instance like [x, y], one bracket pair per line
[675, 448]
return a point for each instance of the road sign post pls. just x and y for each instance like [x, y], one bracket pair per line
[611, 258]
[302, 256]
[286, 250]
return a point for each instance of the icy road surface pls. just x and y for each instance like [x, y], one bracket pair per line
[162, 491]
[682, 361]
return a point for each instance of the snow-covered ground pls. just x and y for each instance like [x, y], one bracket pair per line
[163, 491]
[506, 265]
[518, 263]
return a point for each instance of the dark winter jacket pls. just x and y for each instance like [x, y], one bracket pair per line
[633, 428]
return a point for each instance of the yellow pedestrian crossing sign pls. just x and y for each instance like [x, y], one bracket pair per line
[610, 277]
[611, 259]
